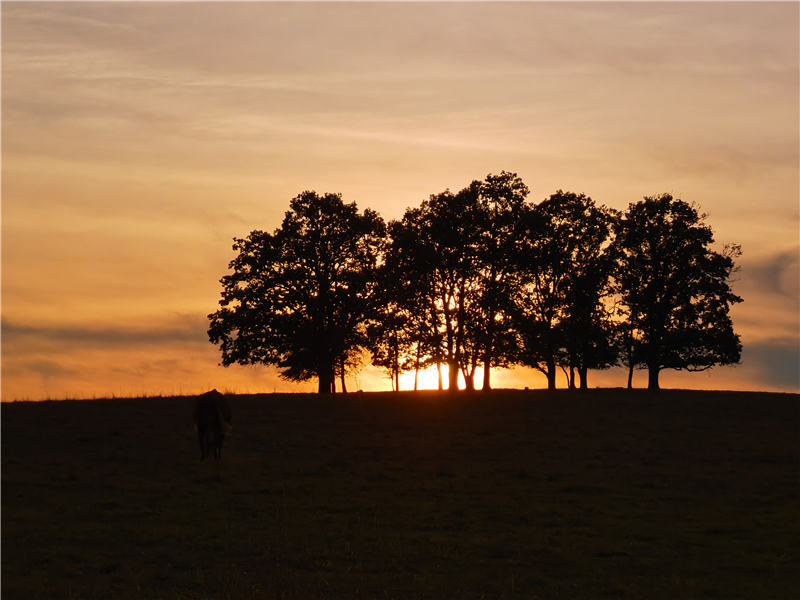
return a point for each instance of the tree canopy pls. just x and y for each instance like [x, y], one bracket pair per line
[563, 318]
[676, 290]
[300, 298]
[481, 277]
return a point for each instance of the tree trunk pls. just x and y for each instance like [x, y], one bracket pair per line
[416, 368]
[566, 375]
[452, 375]
[339, 371]
[487, 361]
[490, 329]
[469, 378]
[551, 374]
[396, 365]
[652, 377]
[630, 376]
[654, 362]
[583, 373]
[630, 361]
[571, 377]
[469, 383]
[327, 381]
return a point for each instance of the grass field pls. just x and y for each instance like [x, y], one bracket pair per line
[604, 494]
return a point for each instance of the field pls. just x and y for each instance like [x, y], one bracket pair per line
[603, 494]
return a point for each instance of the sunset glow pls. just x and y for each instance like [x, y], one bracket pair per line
[428, 379]
[138, 139]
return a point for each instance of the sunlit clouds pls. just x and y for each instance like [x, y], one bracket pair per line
[139, 138]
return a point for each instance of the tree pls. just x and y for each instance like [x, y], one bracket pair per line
[400, 336]
[456, 259]
[587, 328]
[502, 208]
[627, 345]
[299, 298]
[566, 265]
[433, 254]
[675, 289]
[545, 268]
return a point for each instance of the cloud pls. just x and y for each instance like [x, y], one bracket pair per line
[186, 329]
[768, 284]
[776, 362]
[47, 369]
[777, 274]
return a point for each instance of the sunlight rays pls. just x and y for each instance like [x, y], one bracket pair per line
[428, 379]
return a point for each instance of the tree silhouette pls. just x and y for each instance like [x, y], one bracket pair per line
[300, 298]
[480, 277]
[502, 208]
[586, 324]
[390, 334]
[402, 329]
[433, 252]
[545, 268]
[627, 344]
[675, 289]
[565, 267]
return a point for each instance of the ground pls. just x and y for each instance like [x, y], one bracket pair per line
[603, 494]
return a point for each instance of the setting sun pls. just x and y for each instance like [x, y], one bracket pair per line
[428, 379]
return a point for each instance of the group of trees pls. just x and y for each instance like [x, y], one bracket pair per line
[484, 278]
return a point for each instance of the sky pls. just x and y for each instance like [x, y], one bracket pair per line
[138, 139]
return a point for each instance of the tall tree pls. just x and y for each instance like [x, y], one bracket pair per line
[676, 290]
[299, 298]
[433, 251]
[566, 266]
[391, 333]
[626, 342]
[402, 336]
[545, 270]
[587, 326]
[499, 233]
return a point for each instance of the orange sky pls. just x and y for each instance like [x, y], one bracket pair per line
[139, 138]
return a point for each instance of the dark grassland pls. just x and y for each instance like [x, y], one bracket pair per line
[606, 494]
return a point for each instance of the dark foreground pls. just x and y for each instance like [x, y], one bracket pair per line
[608, 494]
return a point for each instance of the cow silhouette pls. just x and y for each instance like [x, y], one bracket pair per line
[212, 416]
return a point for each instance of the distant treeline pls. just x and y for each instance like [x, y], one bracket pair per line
[481, 277]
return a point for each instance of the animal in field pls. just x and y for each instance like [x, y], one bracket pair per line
[212, 417]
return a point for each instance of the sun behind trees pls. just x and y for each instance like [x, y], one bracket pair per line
[483, 278]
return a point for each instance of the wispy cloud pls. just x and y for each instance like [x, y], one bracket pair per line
[776, 362]
[191, 330]
[777, 274]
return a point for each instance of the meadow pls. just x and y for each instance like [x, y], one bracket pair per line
[511, 494]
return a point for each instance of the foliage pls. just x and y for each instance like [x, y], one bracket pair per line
[561, 313]
[480, 277]
[502, 208]
[455, 256]
[675, 289]
[299, 298]
[433, 254]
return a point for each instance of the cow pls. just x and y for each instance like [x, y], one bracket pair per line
[212, 417]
